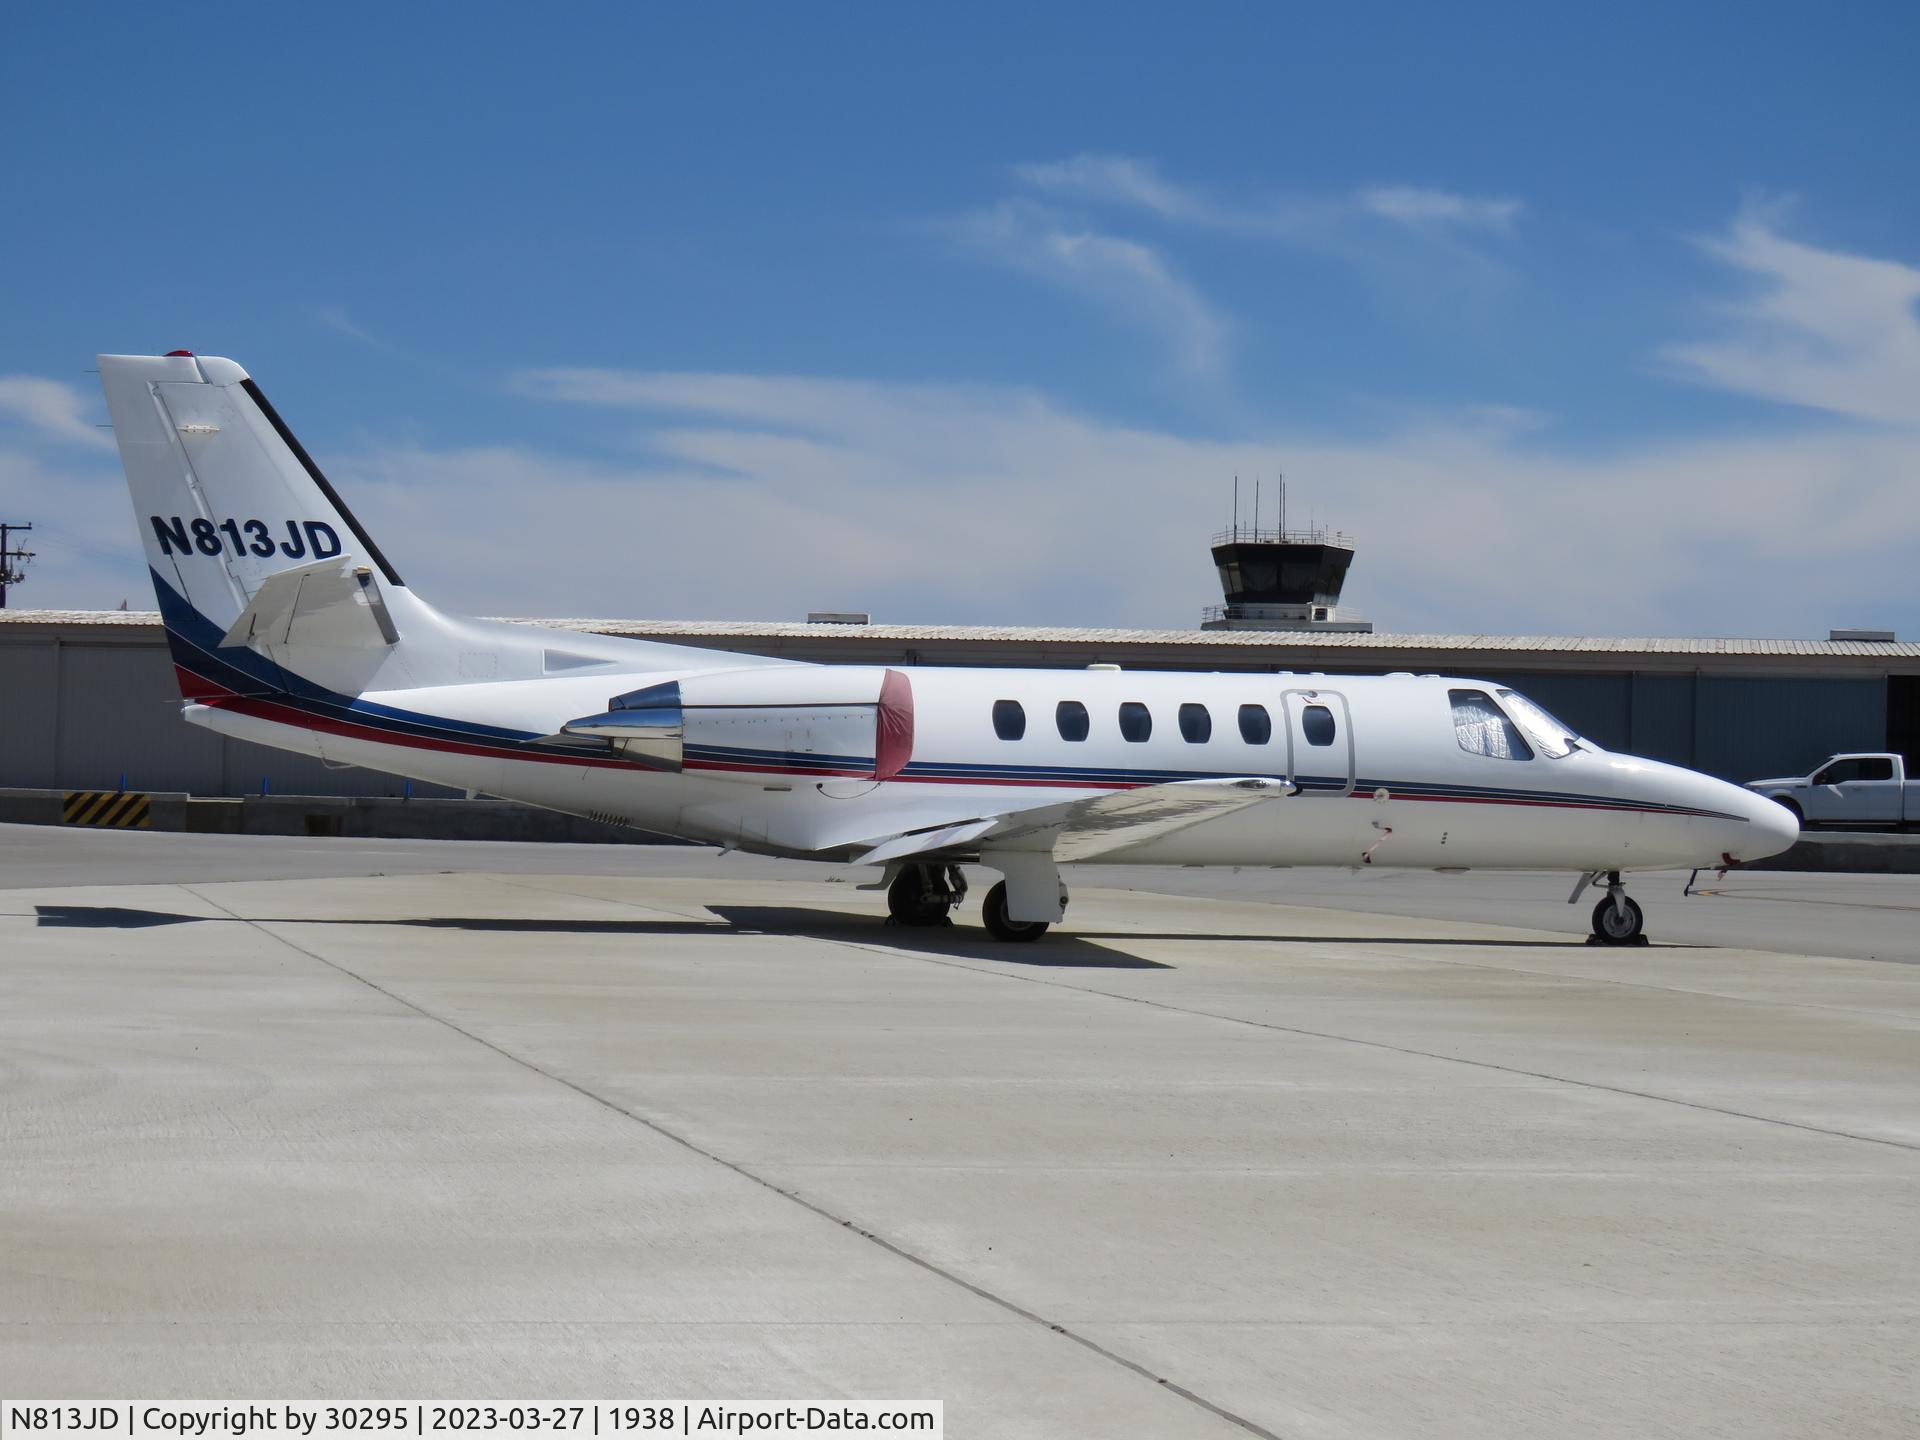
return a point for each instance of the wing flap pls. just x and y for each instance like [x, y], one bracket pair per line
[926, 842]
[1086, 828]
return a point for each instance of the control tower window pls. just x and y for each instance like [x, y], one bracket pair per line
[1316, 723]
[1196, 724]
[1256, 726]
[1482, 728]
[1136, 721]
[1071, 718]
[1009, 719]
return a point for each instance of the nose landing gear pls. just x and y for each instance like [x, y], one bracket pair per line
[923, 895]
[1617, 919]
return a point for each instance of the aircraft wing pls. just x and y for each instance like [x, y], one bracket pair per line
[328, 602]
[1087, 828]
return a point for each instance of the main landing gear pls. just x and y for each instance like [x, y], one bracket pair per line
[924, 895]
[994, 916]
[1617, 919]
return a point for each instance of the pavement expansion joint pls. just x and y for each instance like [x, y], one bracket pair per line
[1404, 1050]
[917, 953]
[815, 1207]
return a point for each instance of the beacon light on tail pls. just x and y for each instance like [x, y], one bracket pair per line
[289, 626]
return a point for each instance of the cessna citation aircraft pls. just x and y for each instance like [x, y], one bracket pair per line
[289, 627]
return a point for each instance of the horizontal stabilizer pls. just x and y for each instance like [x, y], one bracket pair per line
[328, 602]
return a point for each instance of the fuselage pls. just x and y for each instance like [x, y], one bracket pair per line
[1386, 770]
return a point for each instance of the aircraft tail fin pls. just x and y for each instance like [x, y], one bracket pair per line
[237, 519]
[268, 584]
[223, 494]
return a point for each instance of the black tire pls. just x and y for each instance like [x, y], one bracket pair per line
[1611, 929]
[1792, 807]
[994, 914]
[908, 903]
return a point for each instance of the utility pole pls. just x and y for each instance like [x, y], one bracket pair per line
[11, 573]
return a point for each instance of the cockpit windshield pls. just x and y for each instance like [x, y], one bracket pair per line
[1549, 736]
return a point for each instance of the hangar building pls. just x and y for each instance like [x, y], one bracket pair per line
[88, 700]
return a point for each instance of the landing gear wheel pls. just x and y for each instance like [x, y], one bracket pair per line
[1610, 927]
[994, 913]
[913, 899]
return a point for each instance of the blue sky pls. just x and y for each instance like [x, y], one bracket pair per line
[1584, 322]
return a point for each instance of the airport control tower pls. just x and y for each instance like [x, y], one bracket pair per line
[1281, 579]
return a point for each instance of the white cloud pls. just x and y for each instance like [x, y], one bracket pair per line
[1130, 182]
[1120, 180]
[86, 552]
[1824, 329]
[1129, 280]
[336, 319]
[764, 496]
[1417, 208]
[54, 409]
[1388, 229]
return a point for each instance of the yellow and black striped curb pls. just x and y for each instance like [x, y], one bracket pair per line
[115, 809]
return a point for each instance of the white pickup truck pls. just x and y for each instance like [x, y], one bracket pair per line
[1866, 789]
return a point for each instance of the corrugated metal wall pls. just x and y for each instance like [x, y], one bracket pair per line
[81, 713]
[1598, 706]
[1744, 729]
[1734, 727]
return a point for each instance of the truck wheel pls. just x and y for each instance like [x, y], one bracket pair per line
[1792, 807]
[994, 914]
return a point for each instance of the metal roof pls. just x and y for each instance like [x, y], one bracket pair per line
[79, 617]
[1242, 640]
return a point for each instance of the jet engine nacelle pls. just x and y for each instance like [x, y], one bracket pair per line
[847, 721]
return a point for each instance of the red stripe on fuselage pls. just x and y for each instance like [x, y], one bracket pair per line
[198, 688]
[298, 719]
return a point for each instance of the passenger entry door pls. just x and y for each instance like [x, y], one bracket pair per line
[1320, 750]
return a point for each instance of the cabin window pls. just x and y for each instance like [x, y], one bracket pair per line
[1256, 726]
[1316, 723]
[1482, 727]
[1196, 724]
[1070, 716]
[1136, 721]
[1009, 719]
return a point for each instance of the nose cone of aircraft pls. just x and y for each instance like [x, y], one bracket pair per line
[1770, 828]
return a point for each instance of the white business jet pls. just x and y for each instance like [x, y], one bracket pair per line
[289, 627]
